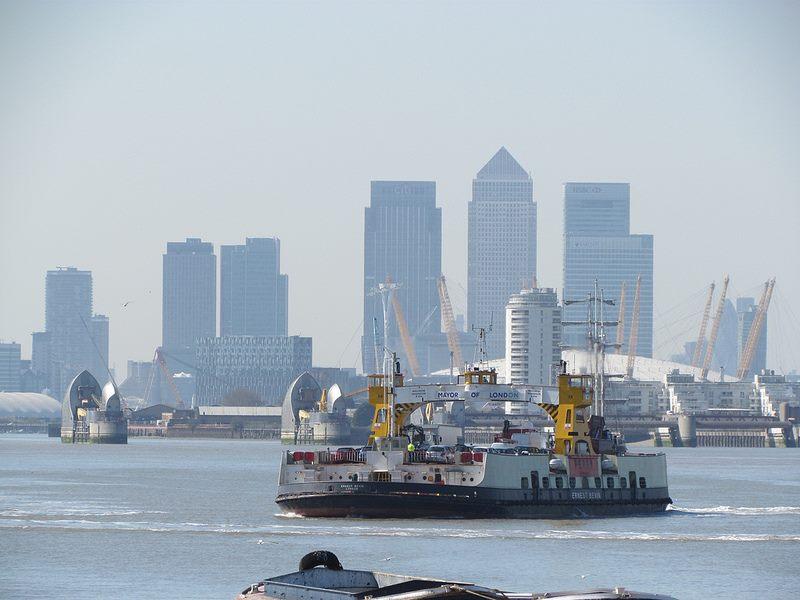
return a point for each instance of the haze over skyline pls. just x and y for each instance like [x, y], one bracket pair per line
[126, 126]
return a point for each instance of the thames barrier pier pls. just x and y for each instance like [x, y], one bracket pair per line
[91, 415]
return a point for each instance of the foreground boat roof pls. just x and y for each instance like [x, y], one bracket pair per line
[324, 581]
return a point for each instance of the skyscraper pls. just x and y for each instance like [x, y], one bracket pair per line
[73, 339]
[597, 209]
[402, 242]
[745, 313]
[254, 293]
[98, 328]
[501, 253]
[10, 367]
[189, 302]
[598, 246]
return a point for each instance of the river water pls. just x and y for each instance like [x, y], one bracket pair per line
[197, 519]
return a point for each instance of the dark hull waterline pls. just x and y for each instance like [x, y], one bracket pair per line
[376, 500]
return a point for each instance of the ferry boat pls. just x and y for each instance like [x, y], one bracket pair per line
[322, 577]
[581, 470]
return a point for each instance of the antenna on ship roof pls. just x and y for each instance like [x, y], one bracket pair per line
[480, 348]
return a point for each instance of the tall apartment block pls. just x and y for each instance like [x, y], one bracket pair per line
[74, 339]
[598, 246]
[533, 337]
[254, 294]
[10, 367]
[501, 251]
[402, 243]
[745, 313]
[189, 302]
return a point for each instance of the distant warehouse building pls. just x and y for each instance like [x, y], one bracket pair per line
[263, 366]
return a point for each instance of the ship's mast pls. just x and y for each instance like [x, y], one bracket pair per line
[482, 356]
[596, 340]
[385, 290]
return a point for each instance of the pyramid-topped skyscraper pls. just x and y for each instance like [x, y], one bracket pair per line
[501, 245]
[503, 167]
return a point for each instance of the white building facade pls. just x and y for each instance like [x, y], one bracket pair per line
[688, 396]
[771, 390]
[533, 337]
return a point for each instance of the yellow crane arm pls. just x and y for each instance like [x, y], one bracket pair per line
[450, 324]
[712, 338]
[701, 337]
[634, 328]
[755, 330]
[405, 337]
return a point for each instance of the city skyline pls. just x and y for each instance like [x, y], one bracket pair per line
[157, 148]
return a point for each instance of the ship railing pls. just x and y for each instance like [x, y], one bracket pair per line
[298, 457]
[338, 457]
[325, 457]
[449, 458]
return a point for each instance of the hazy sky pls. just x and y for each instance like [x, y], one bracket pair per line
[125, 125]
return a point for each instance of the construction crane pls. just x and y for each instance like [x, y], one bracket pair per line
[621, 318]
[712, 338]
[450, 324]
[405, 337]
[162, 363]
[755, 330]
[634, 328]
[701, 337]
